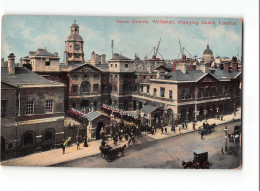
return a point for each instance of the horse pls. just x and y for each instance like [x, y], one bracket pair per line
[116, 151]
[186, 165]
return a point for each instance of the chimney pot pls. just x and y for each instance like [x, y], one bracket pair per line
[11, 67]
[226, 66]
[234, 64]
[2, 62]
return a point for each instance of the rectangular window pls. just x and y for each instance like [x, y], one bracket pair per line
[126, 65]
[49, 106]
[162, 90]
[154, 92]
[148, 89]
[95, 87]
[135, 77]
[142, 88]
[47, 63]
[74, 88]
[170, 94]
[96, 76]
[111, 65]
[29, 107]
[135, 88]
[115, 65]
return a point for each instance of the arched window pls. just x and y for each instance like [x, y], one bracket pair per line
[28, 138]
[48, 136]
[85, 87]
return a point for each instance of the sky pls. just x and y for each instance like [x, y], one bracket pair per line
[21, 34]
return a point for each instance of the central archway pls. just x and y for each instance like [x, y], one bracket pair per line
[85, 104]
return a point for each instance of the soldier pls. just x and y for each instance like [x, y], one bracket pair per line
[77, 145]
[165, 130]
[201, 135]
[162, 130]
[63, 149]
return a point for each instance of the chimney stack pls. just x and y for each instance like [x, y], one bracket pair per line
[103, 59]
[234, 64]
[226, 66]
[201, 67]
[174, 65]
[21, 62]
[11, 67]
[115, 55]
[2, 62]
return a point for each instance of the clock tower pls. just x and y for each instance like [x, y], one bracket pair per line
[74, 47]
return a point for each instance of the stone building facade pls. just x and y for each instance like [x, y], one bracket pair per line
[32, 109]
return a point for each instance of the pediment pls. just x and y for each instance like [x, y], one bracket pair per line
[208, 78]
[85, 68]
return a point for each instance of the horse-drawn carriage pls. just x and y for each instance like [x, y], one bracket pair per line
[109, 153]
[200, 160]
[207, 128]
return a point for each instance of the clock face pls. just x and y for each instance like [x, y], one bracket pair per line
[76, 46]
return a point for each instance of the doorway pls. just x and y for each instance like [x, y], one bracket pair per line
[98, 129]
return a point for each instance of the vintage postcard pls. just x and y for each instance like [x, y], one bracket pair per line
[121, 92]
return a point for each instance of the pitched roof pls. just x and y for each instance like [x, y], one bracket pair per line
[121, 58]
[148, 109]
[24, 77]
[195, 75]
[199, 151]
[92, 115]
[192, 75]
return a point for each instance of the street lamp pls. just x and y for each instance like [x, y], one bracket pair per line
[234, 109]
[226, 131]
[85, 124]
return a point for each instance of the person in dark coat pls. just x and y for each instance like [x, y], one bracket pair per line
[182, 125]
[63, 149]
[162, 130]
[77, 145]
[165, 129]
[201, 135]
[186, 125]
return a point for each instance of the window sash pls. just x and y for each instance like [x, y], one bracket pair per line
[49, 106]
[29, 107]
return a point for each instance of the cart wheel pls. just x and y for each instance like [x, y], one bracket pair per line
[206, 165]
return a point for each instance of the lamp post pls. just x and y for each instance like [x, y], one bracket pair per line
[85, 124]
[234, 109]
[226, 131]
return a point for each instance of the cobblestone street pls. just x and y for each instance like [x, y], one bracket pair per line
[169, 152]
